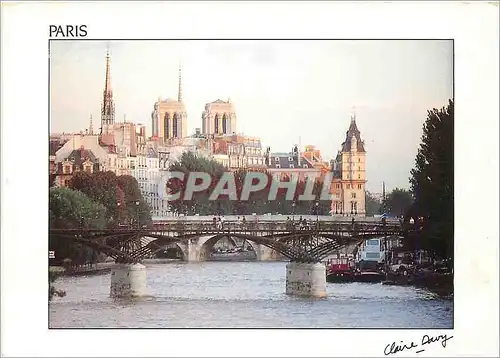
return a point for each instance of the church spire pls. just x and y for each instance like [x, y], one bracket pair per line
[353, 115]
[108, 105]
[179, 95]
[107, 85]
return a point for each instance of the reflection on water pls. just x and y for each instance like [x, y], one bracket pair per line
[242, 294]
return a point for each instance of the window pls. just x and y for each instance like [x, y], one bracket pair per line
[278, 166]
[359, 176]
[304, 166]
[359, 160]
[277, 159]
[338, 186]
[372, 255]
[372, 242]
[290, 159]
[353, 195]
[67, 169]
[348, 186]
[292, 166]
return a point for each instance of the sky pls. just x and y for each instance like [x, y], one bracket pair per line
[285, 92]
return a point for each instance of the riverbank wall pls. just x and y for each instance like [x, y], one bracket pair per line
[96, 269]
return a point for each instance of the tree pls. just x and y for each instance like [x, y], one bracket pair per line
[119, 194]
[373, 205]
[70, 209]
[258, 202]
[398, 202]
[130, 196]
[432, 182]
[199, 204]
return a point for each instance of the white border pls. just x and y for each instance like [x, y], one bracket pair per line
[474, 27]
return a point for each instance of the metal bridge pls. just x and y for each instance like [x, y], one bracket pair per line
[196, 236]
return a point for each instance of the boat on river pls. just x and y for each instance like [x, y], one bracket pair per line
[339, 271]
[369, 277]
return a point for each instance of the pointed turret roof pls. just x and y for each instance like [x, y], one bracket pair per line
[353, 131]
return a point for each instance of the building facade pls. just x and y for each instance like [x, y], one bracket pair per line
[281, 165]
[78, 160]
[219, 118]
[349, 170]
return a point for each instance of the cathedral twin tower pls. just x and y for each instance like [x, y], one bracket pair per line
[169, 117]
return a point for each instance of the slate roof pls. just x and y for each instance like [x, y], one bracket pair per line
[78, 157]
[353, 130]
[287, 161]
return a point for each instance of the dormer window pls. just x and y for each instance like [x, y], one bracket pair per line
[277, 159]
[290, 159]
[304, 166]
[292, 166]
[278, 166]
[67, 168]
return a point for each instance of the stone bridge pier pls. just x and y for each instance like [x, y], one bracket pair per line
[128, 281]
[306, 279]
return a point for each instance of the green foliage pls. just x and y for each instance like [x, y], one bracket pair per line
[432, 182]
[373, 205]
[257, 202]
[70, 209]
[398, 202]
[119, 194]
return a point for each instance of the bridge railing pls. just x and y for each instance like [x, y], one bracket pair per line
[272, 226]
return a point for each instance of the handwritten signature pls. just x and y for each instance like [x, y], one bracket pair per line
[394, 347]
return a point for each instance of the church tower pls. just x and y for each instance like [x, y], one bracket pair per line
[219, 118]
[108, 105]
[350, 171]
[169, 117]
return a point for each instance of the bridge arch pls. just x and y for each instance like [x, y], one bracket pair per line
[206, 245]
[157, 245]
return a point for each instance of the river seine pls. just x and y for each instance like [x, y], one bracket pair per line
[242, 294]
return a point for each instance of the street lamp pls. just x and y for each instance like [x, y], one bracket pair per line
[137, 211]
[317, 215]
[118, 204]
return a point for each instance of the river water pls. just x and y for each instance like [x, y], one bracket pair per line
[242, 294]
